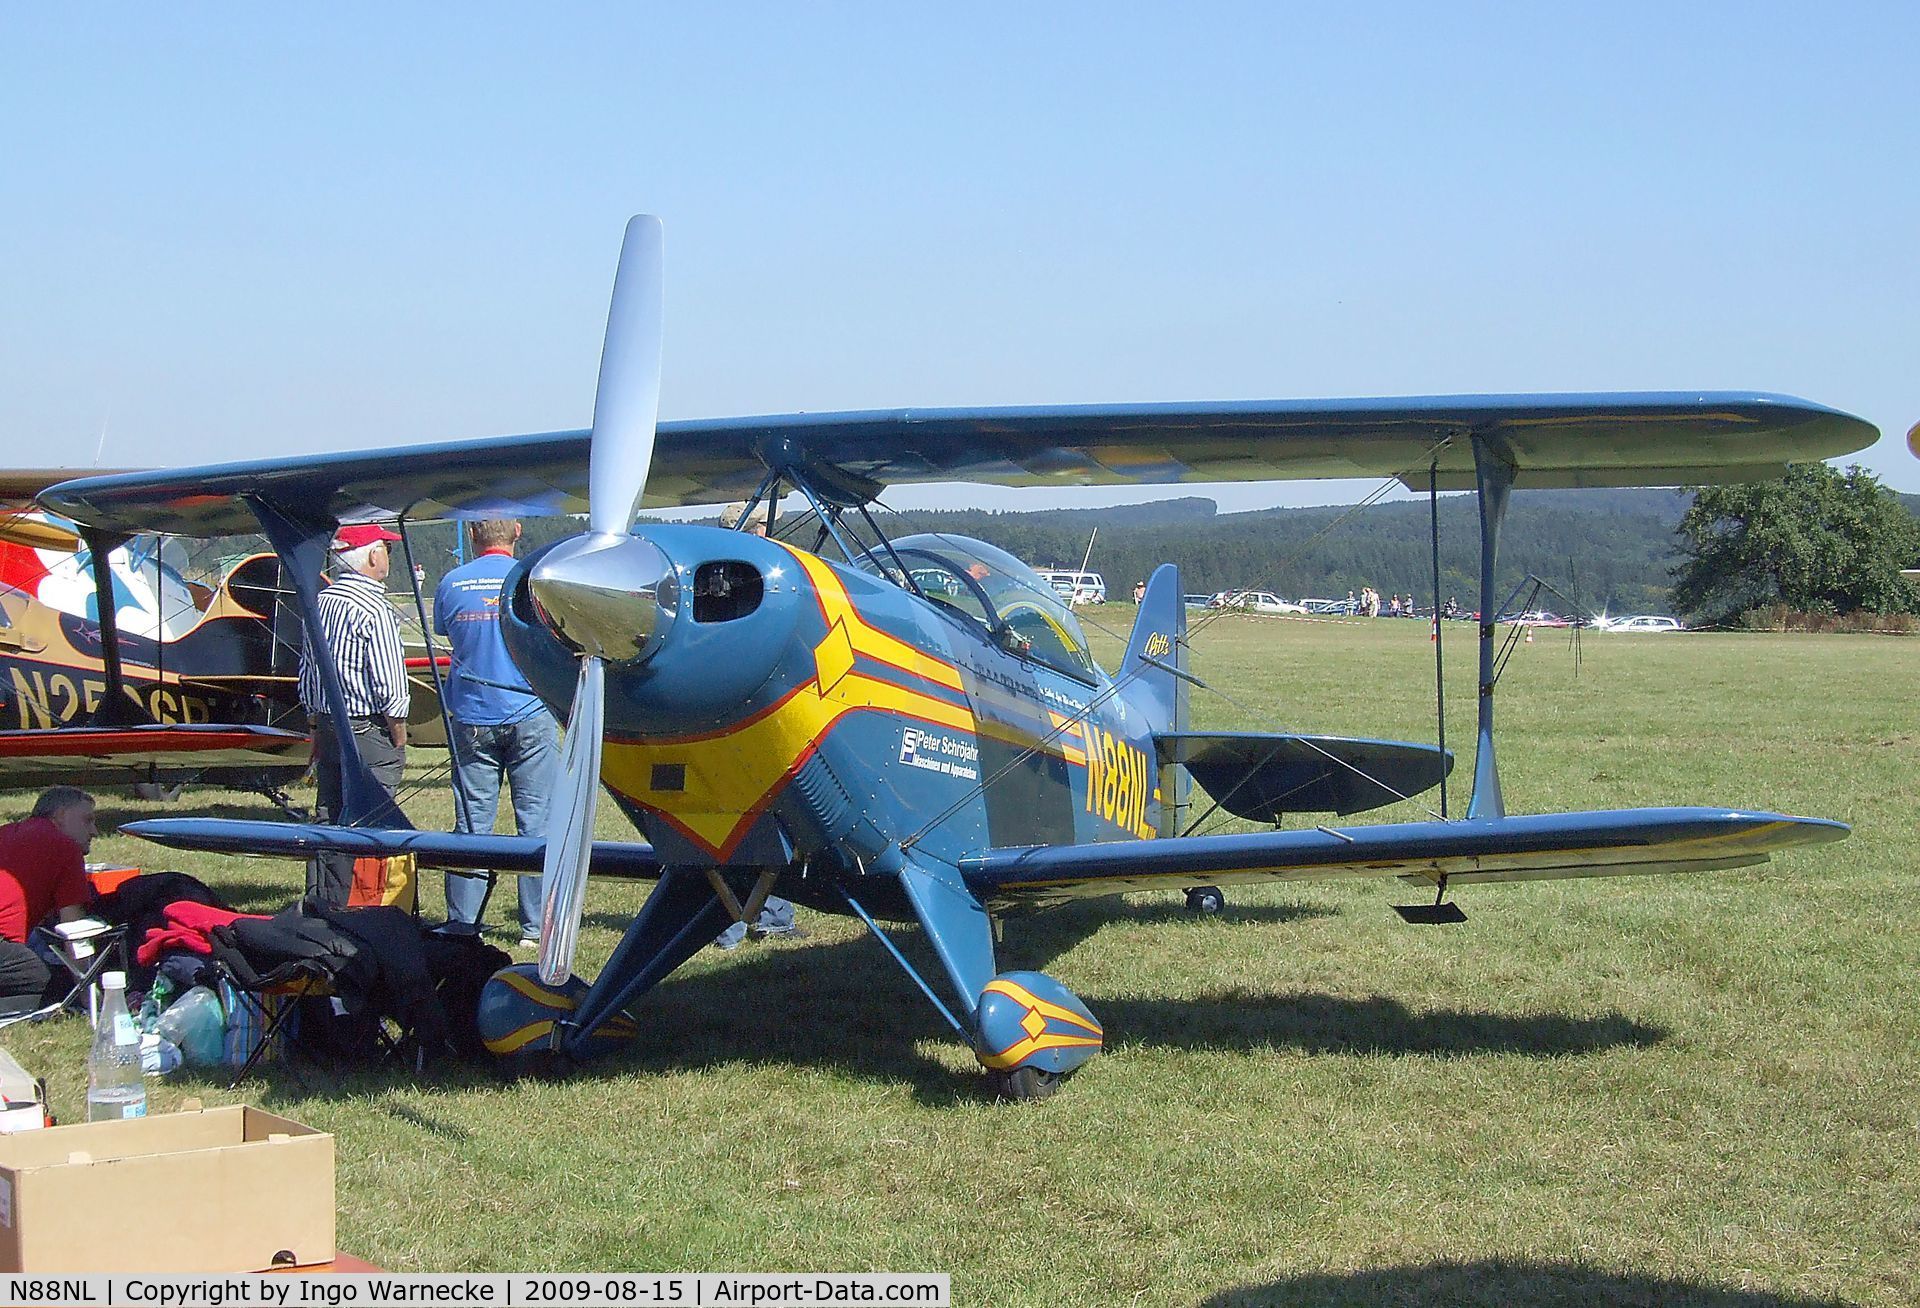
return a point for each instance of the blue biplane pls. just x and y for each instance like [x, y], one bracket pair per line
[912, 729]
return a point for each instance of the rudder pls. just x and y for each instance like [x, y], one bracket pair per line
[1157, 647]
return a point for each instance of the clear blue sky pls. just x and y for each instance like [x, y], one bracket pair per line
[239, 231]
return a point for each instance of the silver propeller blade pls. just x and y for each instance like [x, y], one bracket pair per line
[570, 826]
[624, 411]
[628, 401]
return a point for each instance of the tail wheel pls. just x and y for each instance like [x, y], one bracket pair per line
[1205, 899]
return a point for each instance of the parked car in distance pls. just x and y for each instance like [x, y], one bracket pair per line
[1312, 605]
[1075, 587]
[1535, 618]
[1644, 623]
[1262, 601]
[1197, 601]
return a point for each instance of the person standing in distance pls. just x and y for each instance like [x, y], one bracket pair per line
[500, 728]
[361, 629]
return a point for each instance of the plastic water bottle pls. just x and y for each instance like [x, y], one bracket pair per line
[115, 1089]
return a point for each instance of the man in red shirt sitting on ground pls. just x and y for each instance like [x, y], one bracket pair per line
[42, 870]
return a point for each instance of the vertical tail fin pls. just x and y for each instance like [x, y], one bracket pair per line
[1154, 687]
[1157, 647]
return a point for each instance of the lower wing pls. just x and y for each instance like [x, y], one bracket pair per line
[1534, 847]
[441, 849]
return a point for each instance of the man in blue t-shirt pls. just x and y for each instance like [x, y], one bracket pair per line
[499, 726]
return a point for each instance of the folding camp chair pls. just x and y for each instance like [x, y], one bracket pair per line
[89, 948]
[262, 1019]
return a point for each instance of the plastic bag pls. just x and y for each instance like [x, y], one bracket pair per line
[197, 1025]
[158, 1055]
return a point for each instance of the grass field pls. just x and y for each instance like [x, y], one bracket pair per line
[1696, 1089]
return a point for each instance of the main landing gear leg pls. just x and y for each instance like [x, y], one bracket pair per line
[552, 1026]
[1027, 1030]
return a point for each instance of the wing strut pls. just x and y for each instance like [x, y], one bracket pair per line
[301, 542]
[117, 708]
[1439, 659]
[1493, 473]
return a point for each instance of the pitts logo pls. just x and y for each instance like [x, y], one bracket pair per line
[1119, 781]
[1158, 646]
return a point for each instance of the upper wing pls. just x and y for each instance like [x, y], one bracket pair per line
[18, 486]
[1552, 440]
[1533, 847]
[442, 849]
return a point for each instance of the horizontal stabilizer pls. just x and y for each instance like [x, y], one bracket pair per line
[441, 849]
[1539, 846]
[1263, 777]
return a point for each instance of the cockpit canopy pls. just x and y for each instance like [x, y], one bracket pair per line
[984, 584]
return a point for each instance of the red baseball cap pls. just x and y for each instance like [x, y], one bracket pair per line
[361, 535]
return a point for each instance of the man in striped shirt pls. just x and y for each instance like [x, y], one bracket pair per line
[361, 629]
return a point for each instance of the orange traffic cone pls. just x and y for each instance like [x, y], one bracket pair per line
[1529, 635]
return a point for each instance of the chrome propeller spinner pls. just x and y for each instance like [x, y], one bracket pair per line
[608, 596]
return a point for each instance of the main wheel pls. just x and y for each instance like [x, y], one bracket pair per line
[1205, 899]
[1023, 1083]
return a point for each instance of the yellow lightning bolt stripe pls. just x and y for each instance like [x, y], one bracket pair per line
[1069, 732]
[730, 775]
[837, 607]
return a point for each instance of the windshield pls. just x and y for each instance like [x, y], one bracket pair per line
[1001, 593]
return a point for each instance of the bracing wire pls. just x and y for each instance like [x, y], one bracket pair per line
[1074, 721]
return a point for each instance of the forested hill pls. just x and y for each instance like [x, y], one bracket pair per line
[1612, 548]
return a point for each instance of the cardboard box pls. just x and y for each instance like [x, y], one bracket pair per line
[214, 1190]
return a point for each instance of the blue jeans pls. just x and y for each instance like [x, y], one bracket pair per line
[527, 753]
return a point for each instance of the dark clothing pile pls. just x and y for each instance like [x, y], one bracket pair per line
[377, 963]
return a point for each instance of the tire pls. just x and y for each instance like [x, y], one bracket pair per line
[1024, 1083]
[1205, 900]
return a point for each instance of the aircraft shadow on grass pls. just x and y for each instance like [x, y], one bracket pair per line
[813, 1006]
[1498, 1283]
